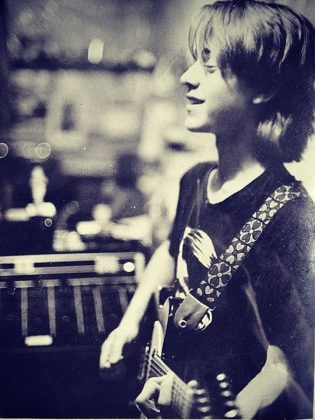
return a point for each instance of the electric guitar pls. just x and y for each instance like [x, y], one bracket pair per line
[188, 401]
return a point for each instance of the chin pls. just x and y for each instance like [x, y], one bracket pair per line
[192, 124]
[196, 128]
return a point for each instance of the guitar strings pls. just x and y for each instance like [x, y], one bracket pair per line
[158, 367]
[179, 396]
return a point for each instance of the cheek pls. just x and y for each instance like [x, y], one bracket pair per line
[230, 104]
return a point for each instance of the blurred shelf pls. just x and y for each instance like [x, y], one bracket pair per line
[79, 65]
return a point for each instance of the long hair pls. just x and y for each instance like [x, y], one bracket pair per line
[272, 49]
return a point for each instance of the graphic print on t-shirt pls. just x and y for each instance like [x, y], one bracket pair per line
[197, 243]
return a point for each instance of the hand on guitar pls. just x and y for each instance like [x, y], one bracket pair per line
[158, 272]
[113, 347]
[155, 395]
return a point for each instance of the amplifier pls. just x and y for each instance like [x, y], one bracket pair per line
[55, 311]
[63, 300]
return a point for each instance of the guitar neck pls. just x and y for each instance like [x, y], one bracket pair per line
[181, 395]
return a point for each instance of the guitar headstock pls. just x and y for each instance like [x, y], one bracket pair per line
[226, 397]
[217, 400]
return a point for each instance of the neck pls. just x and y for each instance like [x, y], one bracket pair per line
[236, 156]
[237, 167]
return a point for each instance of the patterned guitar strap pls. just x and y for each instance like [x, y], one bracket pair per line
[196, 310]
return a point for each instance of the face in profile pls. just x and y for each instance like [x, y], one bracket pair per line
[216, 103]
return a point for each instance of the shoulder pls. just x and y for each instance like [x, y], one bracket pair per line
[291, 241]
[298, 212]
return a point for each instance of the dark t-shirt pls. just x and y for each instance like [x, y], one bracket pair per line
[278, 271]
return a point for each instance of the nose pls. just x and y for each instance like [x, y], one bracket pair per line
[190, 77]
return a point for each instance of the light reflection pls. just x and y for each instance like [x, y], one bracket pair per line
[43, 150]
[95, 51]
[4, 150]
[129, 267]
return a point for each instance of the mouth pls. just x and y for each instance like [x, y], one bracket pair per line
[194, 101]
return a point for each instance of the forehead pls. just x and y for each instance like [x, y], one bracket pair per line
[206, 36]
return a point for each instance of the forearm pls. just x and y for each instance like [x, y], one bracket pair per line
[266, 387]
[158, 272]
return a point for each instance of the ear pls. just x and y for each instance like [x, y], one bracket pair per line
[264, 97]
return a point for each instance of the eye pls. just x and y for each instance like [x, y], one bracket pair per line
[205, 55]
[210, 68]
[208, 63]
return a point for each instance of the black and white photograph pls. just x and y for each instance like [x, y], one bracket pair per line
[157, 209]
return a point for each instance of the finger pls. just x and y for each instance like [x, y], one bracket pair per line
[147, 399]
[165, 396]
[150, 391]
[193, 384]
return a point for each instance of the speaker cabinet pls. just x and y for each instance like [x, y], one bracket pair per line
[55, 312]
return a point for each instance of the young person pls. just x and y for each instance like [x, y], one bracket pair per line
[252, 85]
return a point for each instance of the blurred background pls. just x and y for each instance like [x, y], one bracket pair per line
[92, 146]
[84, 82]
